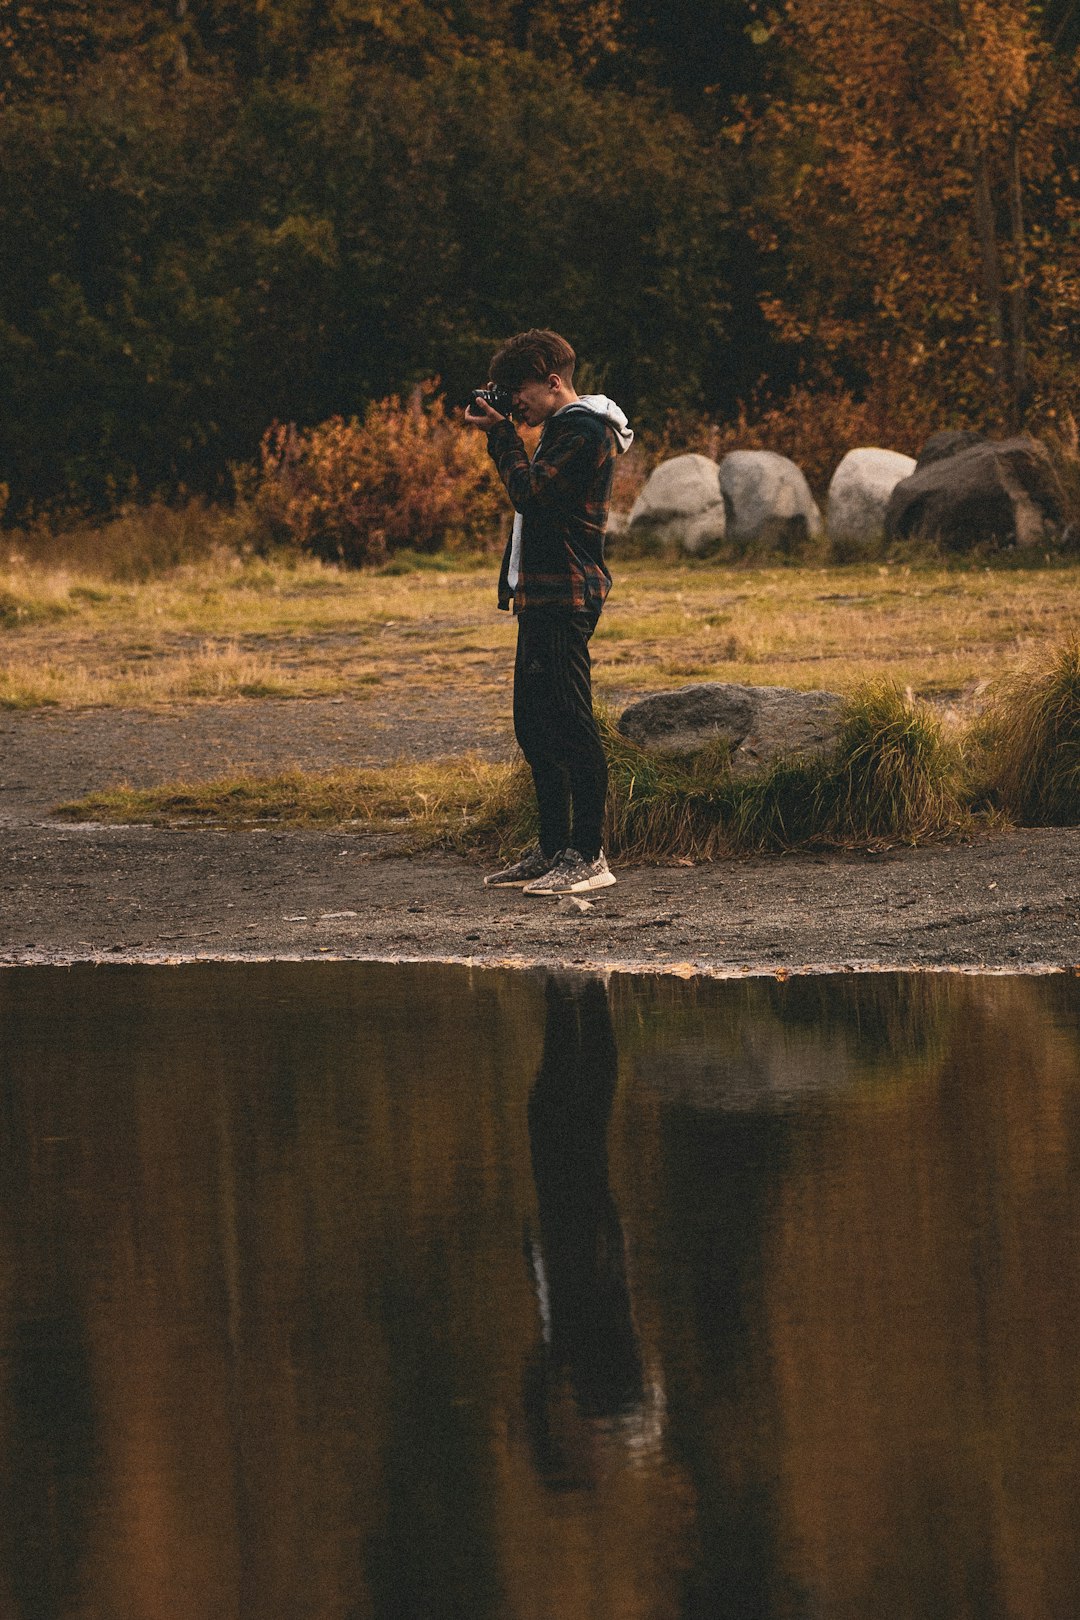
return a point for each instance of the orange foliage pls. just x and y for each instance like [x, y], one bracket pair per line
[926, 198]
[815, 428]
[406, 476]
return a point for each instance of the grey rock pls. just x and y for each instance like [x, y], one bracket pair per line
[768, 503]
[702, 535]
[949, 442]
[859, 497]
[764, 1062]
[1004, 493]
[759, 724]
[681, 505]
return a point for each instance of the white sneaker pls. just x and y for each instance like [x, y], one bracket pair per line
[533, 864]
[573, 874]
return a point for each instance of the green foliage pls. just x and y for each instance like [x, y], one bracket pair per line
[183, 262]
[233, 212]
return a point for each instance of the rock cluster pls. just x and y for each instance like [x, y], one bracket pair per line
[962, 492]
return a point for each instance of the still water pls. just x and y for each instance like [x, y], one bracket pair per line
[345, 1291]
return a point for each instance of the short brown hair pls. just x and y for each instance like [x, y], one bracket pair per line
[535, 354]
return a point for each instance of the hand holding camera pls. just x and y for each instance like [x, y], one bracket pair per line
[489, 406]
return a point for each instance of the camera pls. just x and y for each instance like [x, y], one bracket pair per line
[500, 399]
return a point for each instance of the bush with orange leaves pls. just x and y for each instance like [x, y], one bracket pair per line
[406, 476]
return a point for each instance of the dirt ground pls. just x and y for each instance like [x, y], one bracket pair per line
[90, 892]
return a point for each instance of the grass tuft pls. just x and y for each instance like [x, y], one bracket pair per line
[1028, 741]
[893, 778]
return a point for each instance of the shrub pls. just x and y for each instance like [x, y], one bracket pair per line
[1029, 741]
[891, 779]
[354, 492]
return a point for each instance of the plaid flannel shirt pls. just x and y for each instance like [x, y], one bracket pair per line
[563, 496]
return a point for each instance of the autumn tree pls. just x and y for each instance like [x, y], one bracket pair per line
[921, 196]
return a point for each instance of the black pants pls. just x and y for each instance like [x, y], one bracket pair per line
[555, 726]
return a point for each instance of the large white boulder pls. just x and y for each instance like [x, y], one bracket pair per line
[859, 496]
[768, 503]
[681, 505]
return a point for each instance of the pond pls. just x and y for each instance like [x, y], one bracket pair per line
[346, 1290]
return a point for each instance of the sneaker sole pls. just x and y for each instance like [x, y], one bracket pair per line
[603, 880]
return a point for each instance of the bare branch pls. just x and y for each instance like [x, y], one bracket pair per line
[1040, 72]
[1066, 18]
[920, 22]
[1059, 33]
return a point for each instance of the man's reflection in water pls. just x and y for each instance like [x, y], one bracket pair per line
[586, 1371]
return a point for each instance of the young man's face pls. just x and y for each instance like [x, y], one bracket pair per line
[537, 398]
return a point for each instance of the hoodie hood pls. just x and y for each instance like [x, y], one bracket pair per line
[601, 406]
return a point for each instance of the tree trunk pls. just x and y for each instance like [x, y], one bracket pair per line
[1019, 376]
[522, 24]
[990, 259]
[180, 55]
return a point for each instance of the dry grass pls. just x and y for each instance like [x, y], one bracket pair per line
[939, 632]
[894, 778]
[228, 625]
[434, 799]
[1027, 744]
[216, 671]
[141, 542]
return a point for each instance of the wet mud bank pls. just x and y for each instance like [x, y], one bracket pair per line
[1008, 901]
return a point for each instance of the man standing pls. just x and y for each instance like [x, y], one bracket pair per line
[554, 573]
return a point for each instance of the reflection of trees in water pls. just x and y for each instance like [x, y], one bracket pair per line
[588, 1349]
[236, 1374]
[924, 1318]
[261, 1328]
[50, 1454]
[720, 1172]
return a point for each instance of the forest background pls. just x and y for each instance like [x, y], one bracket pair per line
[811, 225]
